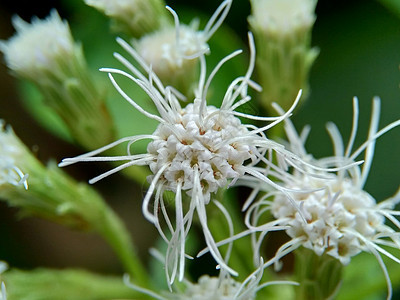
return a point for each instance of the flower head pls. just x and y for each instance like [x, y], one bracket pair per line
[338, 218]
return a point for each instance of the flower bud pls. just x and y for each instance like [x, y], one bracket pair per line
[282, 29]
[135, 17]
[45, 53]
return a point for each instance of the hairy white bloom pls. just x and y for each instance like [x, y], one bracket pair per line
[282, 16]
[339, 218]
[196, 145]
[196, 150]
[38, 47]
[171, 50]
[11, 154]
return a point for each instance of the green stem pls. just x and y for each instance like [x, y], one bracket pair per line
[319, 276]
[115, 233]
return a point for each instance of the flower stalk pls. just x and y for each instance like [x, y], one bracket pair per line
[319, 277]
[282, 30]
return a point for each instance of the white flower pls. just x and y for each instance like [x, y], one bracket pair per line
[171, 50]
[339, 218]
[11, 154]
[38, 47]
[195, 150]
[282, 16]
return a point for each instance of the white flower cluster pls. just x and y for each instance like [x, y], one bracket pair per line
[332, 213]
[38, 47]
[200, 144]
[338, 218]
[10, 154]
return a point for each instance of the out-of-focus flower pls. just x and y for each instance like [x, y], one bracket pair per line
[222, 287]
[338, 218]
[54, 196]
[172, 51]
[282, 29]
[49, 193]
[194, 152]
[135, 17]
[45, 53]
[38, 48]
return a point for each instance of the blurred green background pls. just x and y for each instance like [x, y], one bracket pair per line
[359, 44]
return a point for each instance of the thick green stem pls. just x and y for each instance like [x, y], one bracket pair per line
[319, 276]
[115, 233]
